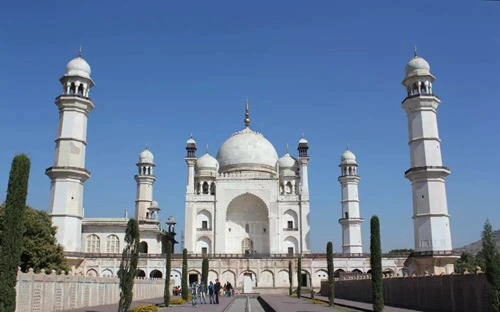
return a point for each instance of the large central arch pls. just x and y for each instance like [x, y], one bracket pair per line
[247, 225]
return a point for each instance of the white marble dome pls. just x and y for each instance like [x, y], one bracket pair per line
[78, 67]
[247, 150]
[417, 65]
[348, 158]
[288, 165]
[206, 162]
[154, 204]
[191, 141]
[146, 156]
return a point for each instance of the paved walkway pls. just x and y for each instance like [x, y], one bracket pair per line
[224, 303]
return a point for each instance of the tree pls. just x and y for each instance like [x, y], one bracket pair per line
[376, 265]
[128, 265]
[467, 262]
[204, 271]
[184, 282]
[299, 276]
[39, 248]
[331, 277]
[492, 264]
[13, 230]
[290, 278]
[168, 268]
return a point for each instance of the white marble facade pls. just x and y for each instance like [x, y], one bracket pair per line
[247, 200]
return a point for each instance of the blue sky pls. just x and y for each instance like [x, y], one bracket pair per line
[329, 69]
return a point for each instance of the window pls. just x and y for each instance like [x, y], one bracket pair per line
[247, 246]
[204, 250]
[290, 224]
[290, 250]
[93, 244]
[113, 244]
[346, 215]
[247, 228]
[204, 225]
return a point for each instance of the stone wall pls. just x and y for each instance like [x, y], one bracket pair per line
[56, 292]
[454, 292]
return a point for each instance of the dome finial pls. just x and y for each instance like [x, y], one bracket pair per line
[146, 145]
[80, 51]
[287, 148]
[207, 149]
[347, 146]
[247, 115]
[415, 54]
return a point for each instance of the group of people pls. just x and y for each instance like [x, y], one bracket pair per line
[214, 290]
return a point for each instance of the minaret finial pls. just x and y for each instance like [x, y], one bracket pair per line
[191, 136]
[80, 51]
[207, 149]
[347, 146]
[287, 148]
[247, 115]
[146, 144]
[415, 51]
[302, 134]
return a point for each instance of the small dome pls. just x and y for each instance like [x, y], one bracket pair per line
[146, 156]
[206, 162]
[78, 67]
[303, 140]
[247, 150]
[417, 65]
[191, 141]
[348, 158]
[154, 204]
[288, 165]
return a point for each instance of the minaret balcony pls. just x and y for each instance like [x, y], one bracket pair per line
[346, 221]
[56, 172]
[290, 229]
[427, 172]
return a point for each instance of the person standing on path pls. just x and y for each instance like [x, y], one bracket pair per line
[211, 292]
[194, 294]
[217, 290]
[203, 292]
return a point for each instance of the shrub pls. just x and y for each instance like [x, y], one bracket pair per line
[177, 300]
[145, 308]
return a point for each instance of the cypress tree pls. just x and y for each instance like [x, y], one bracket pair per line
[168, 269]
[204, 271]
[299, 276]
[184, 282]
[13, 230]
[128, 265]
[376, 265]
[290, 278]
[492, 264]
[331, 277]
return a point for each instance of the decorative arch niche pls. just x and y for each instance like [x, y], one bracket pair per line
[247, 217]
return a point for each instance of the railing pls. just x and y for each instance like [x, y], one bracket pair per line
[253, 256]
[424, 168]
[290, 229]
[67, 167]
[431, 253]
[74, 94]
[204, 229]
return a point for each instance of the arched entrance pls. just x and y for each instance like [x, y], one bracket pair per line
[247, 225]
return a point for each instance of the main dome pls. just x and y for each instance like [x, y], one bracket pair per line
[247, 150]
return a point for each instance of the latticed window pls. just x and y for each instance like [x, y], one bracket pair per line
[113, 244]
[93, 244]
[247, 246]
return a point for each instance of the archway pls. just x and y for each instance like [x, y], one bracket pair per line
[156, 274]
[247, 218]
[143, 247]
[141, 273]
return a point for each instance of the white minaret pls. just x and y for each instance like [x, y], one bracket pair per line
[351, 219]
[68, 173]
[427, 173]
[305, 226]
[190, 212]
[145, 180]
